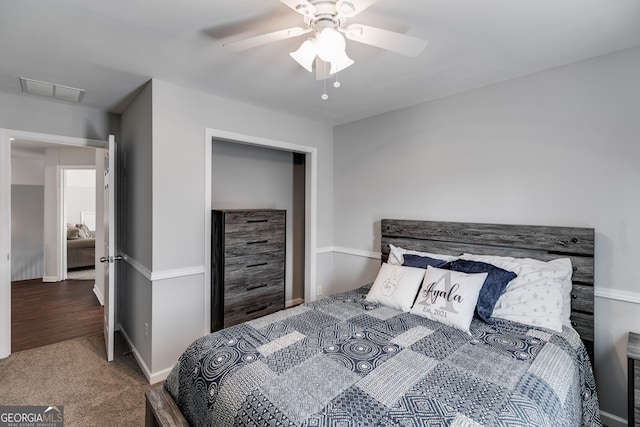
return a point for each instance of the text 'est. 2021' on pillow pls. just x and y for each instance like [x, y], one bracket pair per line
[449, 297]
[396, 286]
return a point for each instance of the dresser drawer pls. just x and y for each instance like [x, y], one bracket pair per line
[254, 221]
[253, 304]
[252, 290]
[263, 267]
[247, 243]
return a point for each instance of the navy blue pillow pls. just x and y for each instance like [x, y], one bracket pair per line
[422, 261]
[495, 283]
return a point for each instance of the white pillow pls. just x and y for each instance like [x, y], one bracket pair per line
[396, 258]
[396, 286]
[449, 297]
[539, 296]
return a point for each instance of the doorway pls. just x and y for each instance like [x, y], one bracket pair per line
[52, 260]
[79, 221]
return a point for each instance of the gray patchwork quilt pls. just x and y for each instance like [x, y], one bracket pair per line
[343, 361]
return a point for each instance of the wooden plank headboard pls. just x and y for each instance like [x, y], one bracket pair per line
[531, 241]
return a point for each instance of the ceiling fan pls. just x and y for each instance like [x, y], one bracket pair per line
[327, 21]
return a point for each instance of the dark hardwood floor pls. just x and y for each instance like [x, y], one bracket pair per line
[46, 313]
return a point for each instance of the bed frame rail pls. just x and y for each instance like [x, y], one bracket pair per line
[161, 410]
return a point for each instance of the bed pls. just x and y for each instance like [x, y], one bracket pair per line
[347, 360]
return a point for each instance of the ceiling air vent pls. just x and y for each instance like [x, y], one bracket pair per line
[51, 90]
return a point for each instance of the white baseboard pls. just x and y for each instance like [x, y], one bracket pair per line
[152, 377]
[157, 377]
[98, 294]
[136, 354]
[49, 278]
[611, 420]
[294, 302]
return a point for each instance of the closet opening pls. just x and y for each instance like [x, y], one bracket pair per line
[252, 177]
[245, 172]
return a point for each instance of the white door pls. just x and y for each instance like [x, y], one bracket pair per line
[108, 261]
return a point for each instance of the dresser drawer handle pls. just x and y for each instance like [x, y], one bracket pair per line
[257, 265]
[255, 310]
[257, 242]
[250, 288]
[253, 221]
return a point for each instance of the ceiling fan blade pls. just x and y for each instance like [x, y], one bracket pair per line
[350, 8]
[385, 39]
[303, 7]
[263, 39]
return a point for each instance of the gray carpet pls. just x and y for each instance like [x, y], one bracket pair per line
[76, 375]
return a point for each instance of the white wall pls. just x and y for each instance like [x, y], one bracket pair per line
[559, 147]
[79, 194]
[55, 157]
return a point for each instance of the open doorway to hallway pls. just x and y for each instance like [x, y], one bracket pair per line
[47, 305]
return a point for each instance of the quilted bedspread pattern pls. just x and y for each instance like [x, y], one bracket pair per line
[345, 361]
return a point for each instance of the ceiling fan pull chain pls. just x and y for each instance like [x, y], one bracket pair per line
[324, 96]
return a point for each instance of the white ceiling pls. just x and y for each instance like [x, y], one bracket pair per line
[112, 47]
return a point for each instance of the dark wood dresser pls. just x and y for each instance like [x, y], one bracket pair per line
[247, 265]
[633, 359]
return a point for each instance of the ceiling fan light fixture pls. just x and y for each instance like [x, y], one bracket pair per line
[305, 55]
[331, 45]
[340, 62]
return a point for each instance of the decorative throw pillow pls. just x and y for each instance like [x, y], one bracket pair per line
[83, 231]
[422, 261]
[449, 297]
[396, 286]
[539, 296]
[496, 282]
[396, 255]
[72, 233]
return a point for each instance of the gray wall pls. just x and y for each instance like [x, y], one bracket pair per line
[162, 156]
[250, 177]
[180, 117]
[27, 211]
[135, 216]
[559, 147]
[38, 114]
[27, 231]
